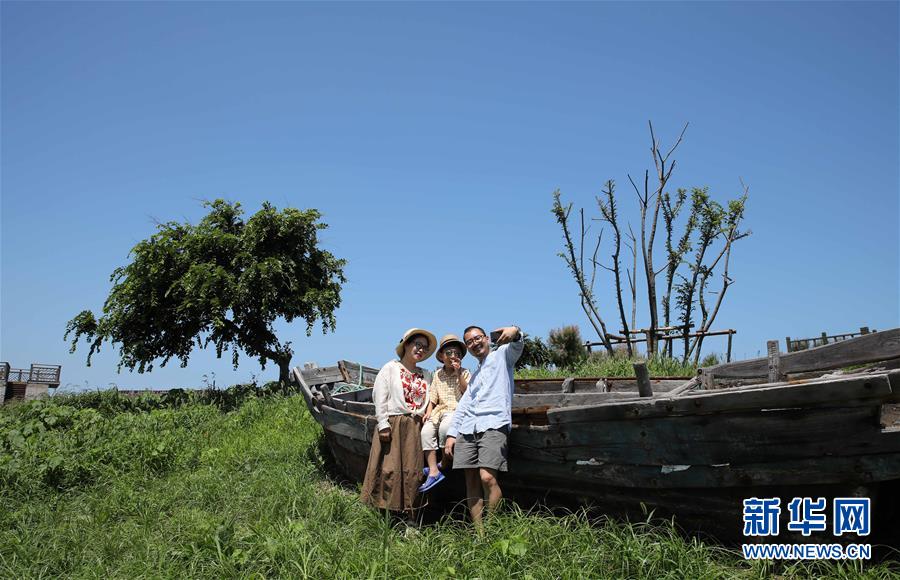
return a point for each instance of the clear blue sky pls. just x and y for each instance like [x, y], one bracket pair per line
[449, 125]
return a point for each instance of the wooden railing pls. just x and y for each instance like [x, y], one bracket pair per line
[664, 335]
[37, 374]
[798, 344]
[867, 348]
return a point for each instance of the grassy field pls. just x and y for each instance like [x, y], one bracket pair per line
[98, 487]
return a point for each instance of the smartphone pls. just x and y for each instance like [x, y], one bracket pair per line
[495, 336]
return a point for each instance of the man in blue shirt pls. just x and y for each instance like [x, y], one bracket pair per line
[477, 436]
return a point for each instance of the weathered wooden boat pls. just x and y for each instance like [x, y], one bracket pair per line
[787, 425]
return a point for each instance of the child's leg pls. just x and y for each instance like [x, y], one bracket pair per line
[429, 445]
[444, 426]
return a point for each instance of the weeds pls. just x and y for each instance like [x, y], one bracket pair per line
[195, 492]
[601, 365]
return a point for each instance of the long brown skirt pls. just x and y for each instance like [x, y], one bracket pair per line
[394, 472]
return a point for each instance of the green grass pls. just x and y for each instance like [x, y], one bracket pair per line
[195, 492]
[600, 365]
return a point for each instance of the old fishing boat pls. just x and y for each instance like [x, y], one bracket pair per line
[823, 422]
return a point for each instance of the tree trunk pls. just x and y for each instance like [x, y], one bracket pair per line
[284, 373]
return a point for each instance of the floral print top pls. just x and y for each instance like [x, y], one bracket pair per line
[414, 388]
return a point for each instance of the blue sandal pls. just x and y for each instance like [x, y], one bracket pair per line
[431, 482]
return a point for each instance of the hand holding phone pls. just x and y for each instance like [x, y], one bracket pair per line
[504, 335]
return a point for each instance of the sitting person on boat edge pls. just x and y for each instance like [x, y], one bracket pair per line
[447, 387]
[400, 394]
[477, 438]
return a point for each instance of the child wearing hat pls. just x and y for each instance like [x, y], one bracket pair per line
[447, 386]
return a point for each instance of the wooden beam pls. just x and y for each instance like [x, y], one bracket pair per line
[643, 379]
[774, 360]
[738, 438]
[348, 424]
[832, 392]
[802, 471]
[553, 400]
[597, 384]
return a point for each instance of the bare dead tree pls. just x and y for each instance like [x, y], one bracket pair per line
[576, 266]
[632, 282]
[663, 173]
[610, 215]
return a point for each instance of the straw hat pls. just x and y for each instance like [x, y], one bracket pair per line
[432, 342]
[447, 340]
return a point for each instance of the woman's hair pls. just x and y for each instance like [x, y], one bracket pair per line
[412, 338]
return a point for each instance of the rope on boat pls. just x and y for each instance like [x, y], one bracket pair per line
[347, 387]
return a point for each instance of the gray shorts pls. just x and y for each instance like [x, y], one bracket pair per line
[487, 449]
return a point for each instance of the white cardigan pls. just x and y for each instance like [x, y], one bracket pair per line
[388, 393]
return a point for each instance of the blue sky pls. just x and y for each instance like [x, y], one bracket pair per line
[431, 137]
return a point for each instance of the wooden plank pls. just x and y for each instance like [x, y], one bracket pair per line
[738, 438]
[833, 392]
[322, 375]
[688, 386]
[643, 379]
[774, 362]
[805, 471]
[350, 373]
[351, 455]
[354, 446]
[362, 395]
[568, 399]
[350, 425]
[596, 384]
[360, 408]
[307, 394]
[873, 347]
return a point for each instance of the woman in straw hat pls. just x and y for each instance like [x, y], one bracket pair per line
[447, 386]
[401, 397]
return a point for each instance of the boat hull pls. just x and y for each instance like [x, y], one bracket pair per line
[695, 457]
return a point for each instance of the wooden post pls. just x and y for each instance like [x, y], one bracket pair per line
[728, 353]
[787, 344]
[643, 379]
[774, 362]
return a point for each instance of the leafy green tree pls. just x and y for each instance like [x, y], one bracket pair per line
[223, 282]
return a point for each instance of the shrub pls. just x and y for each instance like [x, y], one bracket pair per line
[711, 360]
[567, 350]
[535, 355]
